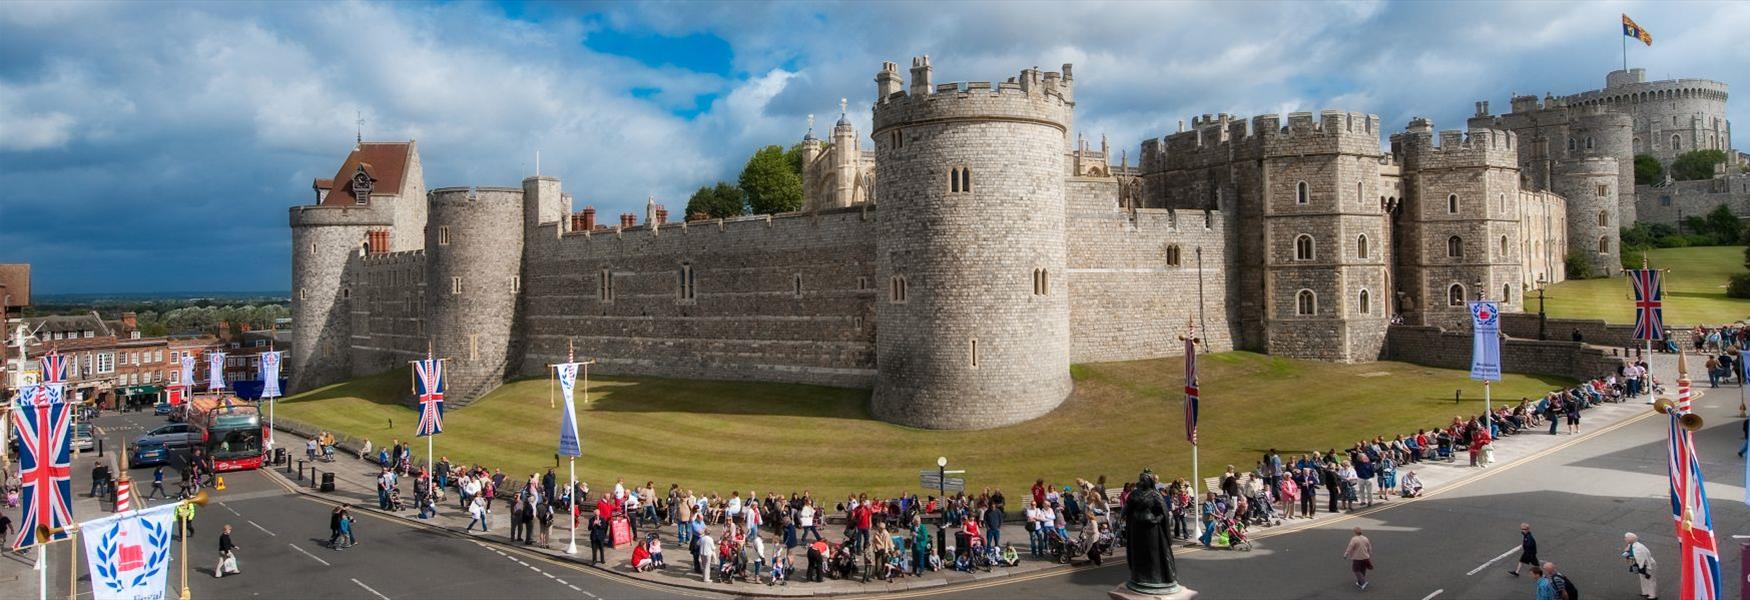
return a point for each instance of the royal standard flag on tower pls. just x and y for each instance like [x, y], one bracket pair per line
[1632, 29]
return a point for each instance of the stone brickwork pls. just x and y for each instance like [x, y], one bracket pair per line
[977, 335]
[787, 298]
[474, 253]
[960, 266]
[1591, 185]
[1437, 347]
[1673, 202]
[1133, 276]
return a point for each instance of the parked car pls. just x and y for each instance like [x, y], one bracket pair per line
[174, 435]
[83, 440]
[148, 454]
[162, 408]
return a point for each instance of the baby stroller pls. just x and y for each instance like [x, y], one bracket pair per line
[395, 503]
[1235, 532]
[1263, 511]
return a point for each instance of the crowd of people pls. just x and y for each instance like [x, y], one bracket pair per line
[767, 538]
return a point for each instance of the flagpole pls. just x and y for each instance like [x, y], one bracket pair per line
[1649, 355]
[1624, 51]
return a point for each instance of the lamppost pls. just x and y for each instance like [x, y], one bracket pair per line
[1542, 318]
[942, 500]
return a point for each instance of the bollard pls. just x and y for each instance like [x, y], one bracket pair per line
[100, 446]
[300, 470]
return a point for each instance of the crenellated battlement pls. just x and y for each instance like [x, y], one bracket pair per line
[389, 259]
[451, 195]
[1033, 95]
[1419, 147]
[1224, 137]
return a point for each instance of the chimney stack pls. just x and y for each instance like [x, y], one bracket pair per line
[589, 218]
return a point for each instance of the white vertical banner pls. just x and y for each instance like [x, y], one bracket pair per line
[188, 371]
[569, 444]
[215, 371]
[1485, 356]
[129, 553]
[270, 374]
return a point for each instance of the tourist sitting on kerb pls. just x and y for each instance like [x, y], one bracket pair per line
[1411, 485]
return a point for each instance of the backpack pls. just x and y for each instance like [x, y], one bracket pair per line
[1569, 591]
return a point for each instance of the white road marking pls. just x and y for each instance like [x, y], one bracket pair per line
[307, 553]
[368, 589]
[1480, 567]
[534, 568]
[233, 510]
[549, 575]
[263, 529]
[585, 592]
[561, 581]
[1436, 593]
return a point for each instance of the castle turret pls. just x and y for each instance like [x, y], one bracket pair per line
[473, 270]
[1591, 186]
[847, 156]
[971, 248]
[1602, 133]
[1460, 234]
[377, 195]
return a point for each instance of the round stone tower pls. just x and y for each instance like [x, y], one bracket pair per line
[474, 246]
[326, 241]
[974, 319]
[1605, 133]
[1590, 186]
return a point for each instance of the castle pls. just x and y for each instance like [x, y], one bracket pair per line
[961, 265]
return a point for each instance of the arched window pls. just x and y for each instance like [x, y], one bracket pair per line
[1501, 202]
[1303, 247]
[966, 179]
[1301, 194]
[1455, 295]
[1359, 199]
[1504, 252]
[1362, 303]
[1041, 282]
[1306, 303]
[1452, 204]
[1603, 244]
[1173, 255]
[1588, 142]
[1507, 293]
[1570, 144]
[896, 289]
[1361, 246]
[1676, 140]
[1455, 247]
[1603, 218]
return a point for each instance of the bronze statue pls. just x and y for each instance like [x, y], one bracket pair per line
[1149, 542]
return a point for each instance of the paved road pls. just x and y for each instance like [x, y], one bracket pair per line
[1580, 499]
[282, 537]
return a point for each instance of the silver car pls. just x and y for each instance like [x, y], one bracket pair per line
[83, 440]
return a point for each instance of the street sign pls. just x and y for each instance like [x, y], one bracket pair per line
[931, 481]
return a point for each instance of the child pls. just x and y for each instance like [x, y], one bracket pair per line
[656, 552]
[780, 569]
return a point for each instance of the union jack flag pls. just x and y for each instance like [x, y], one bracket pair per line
[44, 423]
[54, 368]
[1649, 303]
[1191, 394]
[431, 396]
[1695, 525]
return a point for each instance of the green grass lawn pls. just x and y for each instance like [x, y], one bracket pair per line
[715, 436]
[1695, 290]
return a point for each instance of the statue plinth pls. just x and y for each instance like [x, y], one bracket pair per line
[1175, 592]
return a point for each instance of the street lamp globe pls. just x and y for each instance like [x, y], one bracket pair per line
[941, 461]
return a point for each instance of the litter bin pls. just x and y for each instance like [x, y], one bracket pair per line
[327, 482]
[279, 456]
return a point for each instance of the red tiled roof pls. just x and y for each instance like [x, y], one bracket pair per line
[15, 278]
[322, 184]
[386, 162]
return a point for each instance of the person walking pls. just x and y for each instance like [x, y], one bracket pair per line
[1527, 550]
[185, 512]
[1546, 583]
[544, 514]
[1641, 563]
[1360, 555]
[335, 517]
[477, 510]
[518, 518]
[157, 483]
[227, 555]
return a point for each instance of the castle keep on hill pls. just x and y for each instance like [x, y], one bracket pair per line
[961, 265]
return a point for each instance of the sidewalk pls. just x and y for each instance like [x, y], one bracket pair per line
[355, 482]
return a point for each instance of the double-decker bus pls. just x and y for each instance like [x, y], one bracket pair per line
[231, 431]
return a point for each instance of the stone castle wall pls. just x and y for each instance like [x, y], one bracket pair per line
[387, 310]
[325, 241]
[1437, 347]
[1133, 278]
[473, 259]
[1682, 199]
[786, 298]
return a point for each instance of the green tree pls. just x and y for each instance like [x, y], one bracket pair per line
[1577, 265]
[723, 200]
[768, 181]
[794, 156]
[1648, 170]
[1696, 164]
[1739, 287]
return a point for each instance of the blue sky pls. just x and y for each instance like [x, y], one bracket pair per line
[155, 147]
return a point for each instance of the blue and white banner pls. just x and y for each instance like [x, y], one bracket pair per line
[270, 374]
[216, 371]
[1485, 353]
[568, 443]
[129, 553]
[188, 371]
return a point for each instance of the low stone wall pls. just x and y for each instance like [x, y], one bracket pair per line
[1595, 332]
[1436, 347]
